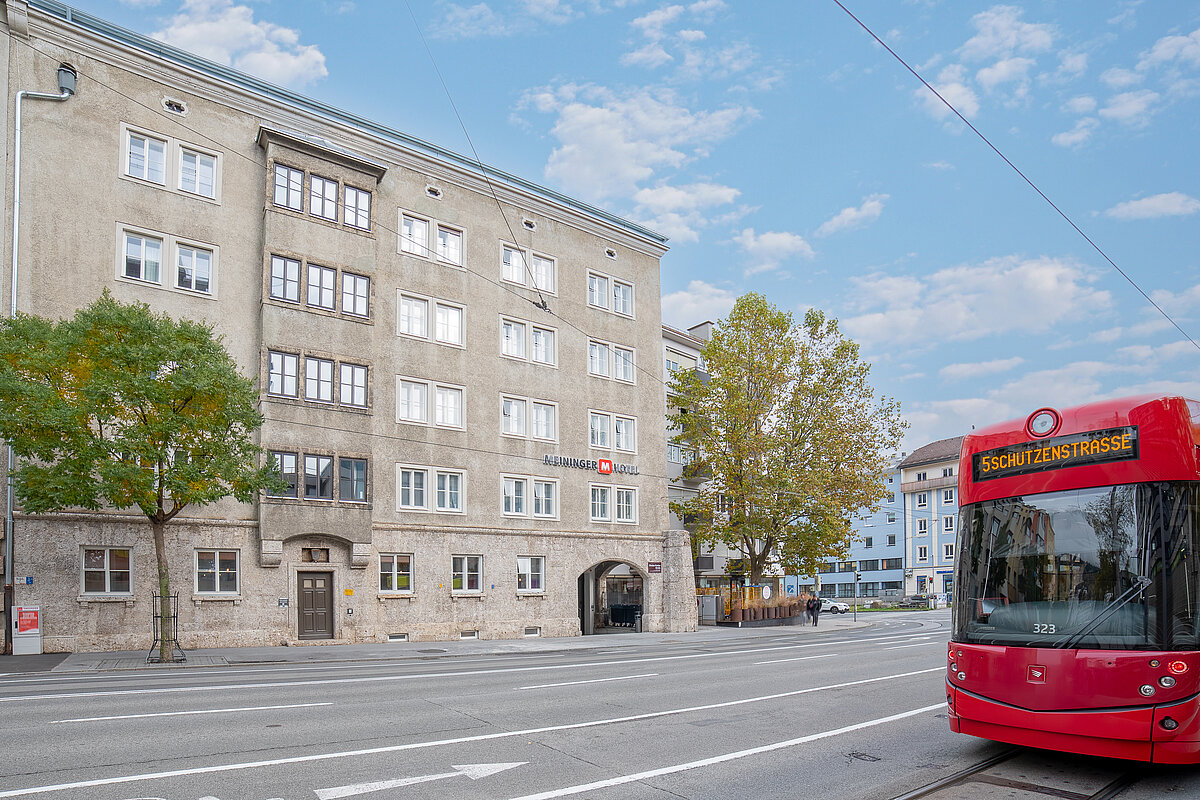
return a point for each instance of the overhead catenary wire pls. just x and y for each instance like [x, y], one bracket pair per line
[1023, 176]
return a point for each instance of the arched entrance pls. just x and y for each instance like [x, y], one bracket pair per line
[611, 598]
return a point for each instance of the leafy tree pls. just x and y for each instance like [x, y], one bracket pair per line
[123, 408]
[791, 432]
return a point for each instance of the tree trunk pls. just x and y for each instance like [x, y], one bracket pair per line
[165, 646]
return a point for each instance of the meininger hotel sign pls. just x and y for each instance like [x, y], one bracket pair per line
[604, 466]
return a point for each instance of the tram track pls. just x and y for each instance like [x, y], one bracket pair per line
[986, 775]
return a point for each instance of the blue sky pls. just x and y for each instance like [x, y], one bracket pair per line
[783, 151]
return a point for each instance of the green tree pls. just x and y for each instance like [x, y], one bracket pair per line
[791, 432]
[120, 407]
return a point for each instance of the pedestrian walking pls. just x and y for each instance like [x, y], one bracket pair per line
[816, 612]
[808, 608]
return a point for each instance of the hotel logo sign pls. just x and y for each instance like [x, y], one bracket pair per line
[604, 466]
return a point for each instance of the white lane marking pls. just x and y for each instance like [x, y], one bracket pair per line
[472, 771]
[797, 658]
[596, 680]
[185, 713]
[921, 644]
[378, 678]
[708, 762]
[175, 773]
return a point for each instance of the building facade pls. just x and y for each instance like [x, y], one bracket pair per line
[457, 370]
[929, 487]
[876, 552]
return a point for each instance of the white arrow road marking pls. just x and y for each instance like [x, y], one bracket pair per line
[472, 771]
[185, 713]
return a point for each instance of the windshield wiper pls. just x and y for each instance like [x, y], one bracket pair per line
[1138, 587]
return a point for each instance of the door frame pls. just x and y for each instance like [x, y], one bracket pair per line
[300, 576]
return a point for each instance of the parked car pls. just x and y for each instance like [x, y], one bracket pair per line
[835, 606]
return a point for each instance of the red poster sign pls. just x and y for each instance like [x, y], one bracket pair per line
[605, 467]
[27, 620]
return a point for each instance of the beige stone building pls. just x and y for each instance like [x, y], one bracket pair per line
[460, 375]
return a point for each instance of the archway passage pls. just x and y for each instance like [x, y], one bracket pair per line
[611, 598]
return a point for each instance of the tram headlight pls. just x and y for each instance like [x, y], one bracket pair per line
[1147, 690]
[1177, 667]
[1166, 681]
[962, 676]
[953, 667]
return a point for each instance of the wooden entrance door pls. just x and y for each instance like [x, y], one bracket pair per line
[315, 592]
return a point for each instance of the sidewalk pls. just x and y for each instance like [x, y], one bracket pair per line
[389, 651]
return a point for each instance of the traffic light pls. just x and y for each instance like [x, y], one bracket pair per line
[857, 576]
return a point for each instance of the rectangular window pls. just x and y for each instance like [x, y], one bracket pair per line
[413, 313]
[414, 236]
[922, 527]
[544, 498]
[448, 406]
[197, 173]
[106, 570]
[318, 477]
[599, 506]
[395, 572]
[545, 422]
[194, 268]
[321, 282]
[143, 257]
[622, 298]
[285, 279]
[948, 552]
[411, 404]
[948, 524]
[868, 542]
[598, 427]
[411, 490]
[625, 434]
[921, 476]
[948, 472]
[449, 491]
[352, 480]
[597, 291]
[674, 454]
[891, 497]
[531, 573]
[283, 374]
[598, 359]
[947, 497]
[356, 294]
[287, 464]
[514, 496]
[891, 517]
[544, 274]
[892, 563]
[891, 540]
[512, 338]
[466, 573]
[216, 572]
[318, 380]
[358, 208]
[512, 265]
[922, 499]
[626, 505]
[623, 364]
[922, 553]
[544, 351]
[512, 416]
[323, 198]
[449, 329]
[449, 245]
[352, 389]
[289, 191]
[146, 158]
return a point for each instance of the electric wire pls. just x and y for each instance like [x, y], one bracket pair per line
[1025, 178]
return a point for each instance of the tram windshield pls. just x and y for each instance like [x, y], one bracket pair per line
[1113, 568]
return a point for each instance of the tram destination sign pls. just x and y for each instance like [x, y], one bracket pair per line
[1073, 450]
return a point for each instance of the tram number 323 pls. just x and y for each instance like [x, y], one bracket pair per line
[1043, 627]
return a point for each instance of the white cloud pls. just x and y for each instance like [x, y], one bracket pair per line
[1173, 48]
[1009, 70]
[228, 34]
[699, 302]
[1080, 105]
[973, 301]
[950, 84]
[1082, 131]
[1000, 33]
[770, 249]
[1176, 303]
[481, 21]
[1170, 204]
[1131, 108]
[1071, 65]
[679, 212]
[850, 218]
[692, 36]
[652, 25]
[979, 368]
[938, 165]
[1119, 78]
[652, 55]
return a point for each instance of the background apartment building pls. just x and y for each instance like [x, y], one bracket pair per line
[461, 389]
[929, 485]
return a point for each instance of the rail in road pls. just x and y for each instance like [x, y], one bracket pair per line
[1032, 774]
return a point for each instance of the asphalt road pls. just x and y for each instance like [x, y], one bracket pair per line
[775, 714]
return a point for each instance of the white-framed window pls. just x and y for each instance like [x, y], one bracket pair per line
[891, 517]
[217, 572]
[289, 187]
[411, 489]
[947, 552]
[288, 464]
[323, 198]
[449, 491]
[922, 499]
[674, 454]
[411, 401]
[143, 257]
[106, 570]
[448, 406]
[193, 268]
[599, 357]
[623, 369]
[197, 173]
[285, 279]
[922, 553]
[597, 290]
[449, 328]
[395, 572]
[601, 507]
[318, 379]
[512, 265]
[599, 429]
[413, 319]
[512, 338]
[352, 389]
[352, 480]
[145, 157]
[544, 348]
[545, 421]
[283, 374]
[948, 524]
[891, 540]
[315, 473]
[412, 316]
[625, 504]
[531, 574]
[190, 266]
[922, 527]
[545, 498]
[318, 477]
[868, 542]
[545, 273]
[512, 416]
[947, 497]
[608, 360]
[514, 493]
[414, 235]
[466, 574]
[891, 496]
[356, 294]
[625, 434]
[357, 208]
[622, 298]
[450, 245]
[948, 472]
[321, 283]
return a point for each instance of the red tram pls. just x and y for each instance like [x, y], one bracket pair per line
[1077, 582]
